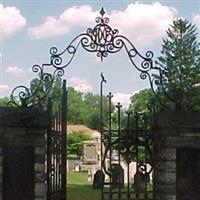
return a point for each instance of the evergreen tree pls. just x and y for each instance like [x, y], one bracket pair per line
[180, 58]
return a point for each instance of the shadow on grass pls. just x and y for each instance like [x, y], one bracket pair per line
[82, 192]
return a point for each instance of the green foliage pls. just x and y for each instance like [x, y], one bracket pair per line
[55, 93]
[76, 107]
[180, 56]
[75, 143]
[92, 103]
[140, 109]
[85, 109]
[141, 102]
[82, 108]
[4, 101]
[143, 155]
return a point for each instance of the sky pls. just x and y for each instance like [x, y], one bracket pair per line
[28, 29]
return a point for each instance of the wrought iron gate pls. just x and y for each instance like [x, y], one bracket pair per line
[103, 40]
[126, 150]
[56, 149]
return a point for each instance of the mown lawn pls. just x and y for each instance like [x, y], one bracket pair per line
[79, 188]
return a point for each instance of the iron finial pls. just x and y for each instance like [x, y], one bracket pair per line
[103, 78]
[119, 105]
[110, 96]
[102, 12]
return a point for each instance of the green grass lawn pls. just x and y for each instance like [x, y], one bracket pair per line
[79, 188]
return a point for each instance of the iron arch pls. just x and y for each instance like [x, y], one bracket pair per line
[102, 40]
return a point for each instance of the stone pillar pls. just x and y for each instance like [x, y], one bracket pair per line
[173, 129]
[1, 174]
[25, 128]
[39, 167]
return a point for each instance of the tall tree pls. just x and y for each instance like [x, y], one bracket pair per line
[81, 109]
[76, 107]
[141, 101]
[180, 57]
[55, 93]
[92, 103]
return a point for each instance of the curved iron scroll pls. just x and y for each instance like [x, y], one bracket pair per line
[102, 40]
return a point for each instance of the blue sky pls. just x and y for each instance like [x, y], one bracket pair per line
[30, 28]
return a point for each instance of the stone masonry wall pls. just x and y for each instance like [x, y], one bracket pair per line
[39, 167]
[25, 127]
[173, 130]
[1, 175]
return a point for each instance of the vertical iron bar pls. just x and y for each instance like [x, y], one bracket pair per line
[59, 150]
[55, 153]
[101, 126]
[52, 156]
[118, 106]
[145, 153]
[110, 140]
[49, 110]
[58, 140]
[64, 141]
[137, 152]
[153, 156]
[128, 181]
[128, 164]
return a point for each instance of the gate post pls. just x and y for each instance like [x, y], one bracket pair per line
[177, 131]
[1, 173]
[22, 153]
[64, 141]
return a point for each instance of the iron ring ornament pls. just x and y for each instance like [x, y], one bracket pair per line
[102, 40]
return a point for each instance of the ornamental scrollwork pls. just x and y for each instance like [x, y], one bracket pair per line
[23, 96]
[102, 40]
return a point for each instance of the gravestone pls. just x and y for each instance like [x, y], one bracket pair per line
[98, 181]
[140, 181]
[117, 174]
[90, 154]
